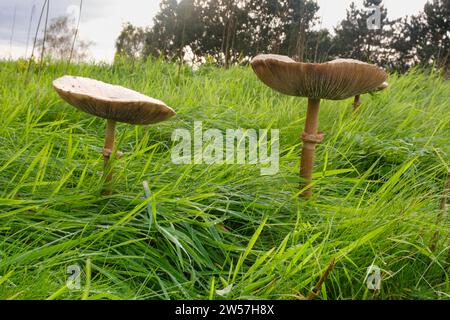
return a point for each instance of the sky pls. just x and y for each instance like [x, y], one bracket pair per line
[101, 20]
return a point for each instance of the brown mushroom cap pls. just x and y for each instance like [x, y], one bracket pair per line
[334, 80]
[111, 101]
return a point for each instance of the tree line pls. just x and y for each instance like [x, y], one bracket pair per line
[232, 31]
[228, 32]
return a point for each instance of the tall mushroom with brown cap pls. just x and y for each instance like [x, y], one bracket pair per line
[335, 80]
[113, 103]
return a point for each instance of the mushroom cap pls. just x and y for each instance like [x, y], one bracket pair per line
[111, 101]
[335, 80]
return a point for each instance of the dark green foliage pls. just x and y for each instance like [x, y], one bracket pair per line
[355, 40]
[425, 38]
[229, 32]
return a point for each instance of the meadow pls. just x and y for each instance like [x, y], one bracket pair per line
[221, 231]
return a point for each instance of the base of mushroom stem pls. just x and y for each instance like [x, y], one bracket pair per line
[307, 160]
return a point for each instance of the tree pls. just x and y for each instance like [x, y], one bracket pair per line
[59, 40]
[436, 33]
[175, 28]
[187, 27]
[300, 18]
[130, 42]
[425, 38]
[354, 39]
[318, 46]
[160, 41]
[225, 30]
[284, 27]
[231, 30]
[267, 22]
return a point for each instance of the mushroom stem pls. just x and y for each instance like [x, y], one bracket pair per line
[310, 138]
[357, 102]
[107, 151]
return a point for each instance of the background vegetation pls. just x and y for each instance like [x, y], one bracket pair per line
[229, 32]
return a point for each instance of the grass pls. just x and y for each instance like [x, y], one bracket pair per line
[199, 229]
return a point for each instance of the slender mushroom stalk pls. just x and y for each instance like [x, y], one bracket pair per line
[107, 151]
[335, 80]
[113, 103]
[356, 102]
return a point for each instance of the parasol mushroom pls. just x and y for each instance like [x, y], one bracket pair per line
[113, 103]
[335, 80]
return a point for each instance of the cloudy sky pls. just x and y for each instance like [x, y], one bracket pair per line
[102, 20]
